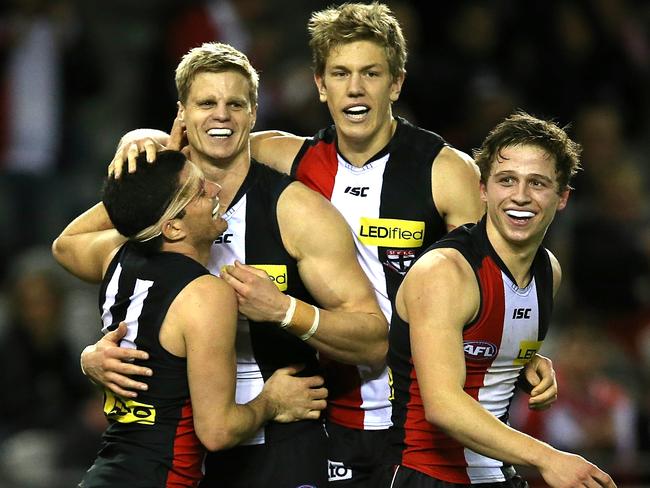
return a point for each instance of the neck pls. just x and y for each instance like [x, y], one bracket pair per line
[517, 258]
[228, 173]
[199, 253]
[359, 150]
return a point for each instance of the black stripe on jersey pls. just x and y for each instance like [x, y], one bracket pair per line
[544, 280]
[273, 347]
[406, 190]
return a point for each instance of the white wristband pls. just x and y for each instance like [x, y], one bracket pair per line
[286, 321]
[314, 325]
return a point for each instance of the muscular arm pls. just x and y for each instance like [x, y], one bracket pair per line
[436, 311]
[276, 149]
[207, 312]
[86, 245]
[352, 327]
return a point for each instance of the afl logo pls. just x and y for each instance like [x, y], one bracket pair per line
[479, 350]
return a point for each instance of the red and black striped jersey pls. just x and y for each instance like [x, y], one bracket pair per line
[389, 206]
[507, 332]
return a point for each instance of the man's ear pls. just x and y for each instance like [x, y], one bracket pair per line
[322, 89]
[396, 87]
[173, 230]
[483, 190]
[564, 198]
[181, 111]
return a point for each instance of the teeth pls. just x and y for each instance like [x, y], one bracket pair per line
[357, 110]
[520, 214]
[220, 132]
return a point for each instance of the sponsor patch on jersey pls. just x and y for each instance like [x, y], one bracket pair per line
[391, 232]
[479, 350]
[277, 273]
[128, 411]
[399, 259]
[337, 471]
[527, 349]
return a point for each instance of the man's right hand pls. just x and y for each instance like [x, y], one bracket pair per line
[150, 141]
[109, 365]
[295, 397]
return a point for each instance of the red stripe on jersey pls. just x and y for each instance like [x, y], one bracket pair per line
[492, 306]
[429, 449]
[318, 168]
[344, 399]
[188, 453]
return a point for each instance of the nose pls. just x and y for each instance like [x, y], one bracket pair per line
[355, 86]
[220, 111]
[521, 194]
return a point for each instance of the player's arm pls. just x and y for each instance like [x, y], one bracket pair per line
[276, 149]
[87, 244]
[455, 182]
[350, 325]
[430, 301]
[207, 312]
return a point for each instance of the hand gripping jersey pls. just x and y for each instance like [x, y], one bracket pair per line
[150, 441]
[390, 209]
[253, 237]
[509, 329]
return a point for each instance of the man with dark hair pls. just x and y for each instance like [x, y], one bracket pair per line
[180, 317]
[470, 313]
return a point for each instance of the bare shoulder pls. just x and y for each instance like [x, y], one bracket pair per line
[206, 294]
[455, 179]
[308, 221]
[276, 149]
[445, 265]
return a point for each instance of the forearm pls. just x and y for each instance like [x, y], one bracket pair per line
[347, 337]
[225, 429]
[464, 419]
[95, 219]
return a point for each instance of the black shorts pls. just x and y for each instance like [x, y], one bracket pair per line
[354, 455]
[296, 461]
[403, 477]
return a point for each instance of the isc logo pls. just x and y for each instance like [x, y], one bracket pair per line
[357, 191]
[479, 350]
[223, 239]
[521, 313]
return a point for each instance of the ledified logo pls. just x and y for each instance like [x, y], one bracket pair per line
[391, 232]
[277, 273]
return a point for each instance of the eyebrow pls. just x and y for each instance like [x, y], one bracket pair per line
[527, 175]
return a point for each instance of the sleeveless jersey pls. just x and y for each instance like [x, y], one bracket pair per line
[150, 441]
[389, 206]
[253, 237]
[507, 332]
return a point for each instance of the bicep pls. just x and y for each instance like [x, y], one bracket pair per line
[87, 255]
[437, 313]
[209, 334]
[327, 259]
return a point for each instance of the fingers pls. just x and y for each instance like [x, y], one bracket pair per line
[250, 269]
[132, 156]
[177, 135]
[292, 369]
[150, 149]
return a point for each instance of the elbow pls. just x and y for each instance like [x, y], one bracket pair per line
[217, 438]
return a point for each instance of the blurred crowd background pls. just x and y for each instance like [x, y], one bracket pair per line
[76, 74]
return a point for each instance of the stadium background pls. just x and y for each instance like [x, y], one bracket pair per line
[75, 75]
